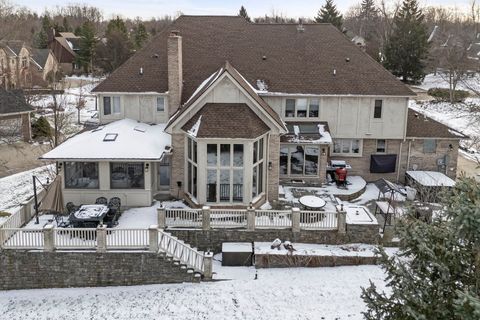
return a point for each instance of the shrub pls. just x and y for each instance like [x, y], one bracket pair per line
[41, 128]
[441, 94]
[4, 214]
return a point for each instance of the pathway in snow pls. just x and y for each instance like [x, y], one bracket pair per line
[302, 293]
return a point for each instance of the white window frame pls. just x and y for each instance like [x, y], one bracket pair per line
[307, 109]
[381, 108]
[350, 153]
[385, 146]
[289, 160]
[115, 109]
[191, 156]
[257, 164]
[164, 103]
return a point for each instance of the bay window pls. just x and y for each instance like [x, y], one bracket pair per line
[81, 175]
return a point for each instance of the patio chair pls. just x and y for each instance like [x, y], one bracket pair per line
[71, 207]
[61, 221]
[115, 204]
[101, 200]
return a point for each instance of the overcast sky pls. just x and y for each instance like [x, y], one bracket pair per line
[156, 8]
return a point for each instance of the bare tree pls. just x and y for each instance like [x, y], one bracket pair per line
[81, 102]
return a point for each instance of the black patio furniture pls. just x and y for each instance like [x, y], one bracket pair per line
[114, 204]
[71, 207]
[101, 200]
[88, 216]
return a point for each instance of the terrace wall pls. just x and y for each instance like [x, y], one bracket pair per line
[21, 269]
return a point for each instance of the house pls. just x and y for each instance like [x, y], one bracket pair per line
[15, 59]
[65, 46]
[45, 63]
[14, 115]
[244, 108]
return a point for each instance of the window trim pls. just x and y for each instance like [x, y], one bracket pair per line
[375, 109]
[307, 110]
[112, 107]
[303, 175]
[164, 104]
[83, 162]
[385, 146]
[142, 164]
[191, 156]
[434, 149]
[349, 154]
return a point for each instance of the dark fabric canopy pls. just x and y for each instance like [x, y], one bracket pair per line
[383, 163]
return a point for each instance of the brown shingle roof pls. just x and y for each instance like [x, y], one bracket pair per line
[287, 60]
[227, 120]
[421, 126]
[13, 101]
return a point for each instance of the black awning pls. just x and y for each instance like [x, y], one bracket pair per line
[383, 163]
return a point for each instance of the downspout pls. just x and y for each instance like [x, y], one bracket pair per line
[408, 154]
[399, 159]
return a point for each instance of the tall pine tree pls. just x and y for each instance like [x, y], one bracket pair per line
[369, 17]
[329, 14]
[40, 39]
[436, 274]
[243, 13]
[88, 43]
[407, 47]
[140, 35]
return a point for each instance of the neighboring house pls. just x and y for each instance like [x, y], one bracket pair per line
[14, 115]
[246, 107]
[65, 47]
[45, 63]
[15, 58]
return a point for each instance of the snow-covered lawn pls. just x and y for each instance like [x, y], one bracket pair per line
[18, 188]
[441, 81]
[293, 293]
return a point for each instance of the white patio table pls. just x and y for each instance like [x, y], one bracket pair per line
[312, 202]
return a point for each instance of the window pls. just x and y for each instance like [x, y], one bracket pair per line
[81, 175]
[225, 172]
[381, 146]
[299, 160]
[290, 108]
[314, 108]
[192, 167]
[160, 104]
[24, 62]
[111, 104]
[377, 112]
[429, 146]
[127, 175]
[302, 108]
[346, 146]
[258, 168]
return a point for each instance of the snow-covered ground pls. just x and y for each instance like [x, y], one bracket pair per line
[18, 188]
[292, 293]
[440, 80]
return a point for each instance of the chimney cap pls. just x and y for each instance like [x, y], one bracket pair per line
[174, 33]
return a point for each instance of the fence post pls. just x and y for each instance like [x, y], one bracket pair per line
[101, 238]
[250, 218]
[342, 222]
[295, 219]
[206, 218]
[153, 238]
[207, 265]
[26, 212]
[161, 217]
[48, 238]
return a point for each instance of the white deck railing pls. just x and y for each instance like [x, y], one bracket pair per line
[251, 219]
[181, 251]
[318, 220]
[75, 238]
[273, 219]
[127, 238]
[16, 238]
[225, 218]
[184, 217]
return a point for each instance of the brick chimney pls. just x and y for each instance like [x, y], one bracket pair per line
[175, 72]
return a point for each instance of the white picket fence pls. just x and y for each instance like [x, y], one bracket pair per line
[318, 220]
[189, 218]
[220, 218]
[17, 238]
[127, 238]
[269, 219]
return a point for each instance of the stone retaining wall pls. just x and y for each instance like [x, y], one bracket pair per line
[21, 269]
[288, 261]
[213, 239]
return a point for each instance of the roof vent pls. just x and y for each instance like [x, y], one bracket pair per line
[347, 59]
[155, 56]
[334, 72]
[141, 71]
[264, 57]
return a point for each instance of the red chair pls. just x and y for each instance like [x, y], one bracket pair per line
[341, 177]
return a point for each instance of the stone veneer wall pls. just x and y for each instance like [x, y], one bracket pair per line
[212, 239]
[177, 164]
[21, 269]
[428, 161]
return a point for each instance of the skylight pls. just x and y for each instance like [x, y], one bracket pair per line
[110, 137]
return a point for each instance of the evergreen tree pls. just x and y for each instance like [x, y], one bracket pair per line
[140, 35]
[243, 13]
[407, 47]
[117, 25]
[329, 14]
[369, 17]
[66, 26]
[436, 274]
[40, 40]
[87, 46]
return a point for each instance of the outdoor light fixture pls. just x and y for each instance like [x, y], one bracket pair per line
[323, 151]
[270, 166]
[147, 166]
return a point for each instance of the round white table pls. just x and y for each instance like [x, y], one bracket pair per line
[312, 202]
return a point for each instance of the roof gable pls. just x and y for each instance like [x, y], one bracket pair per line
[421, 126]
[208, 84]
[320, 60]
[13, 101]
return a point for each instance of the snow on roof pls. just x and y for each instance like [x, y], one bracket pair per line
[133, 141]
[306, 133]
[207, 82]
[194, 130]
[431, 178]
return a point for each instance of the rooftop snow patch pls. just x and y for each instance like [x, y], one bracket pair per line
[133, 141]
[431, 178]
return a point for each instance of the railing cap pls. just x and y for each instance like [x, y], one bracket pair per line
[48, 227]
[153, 226]
[296, 209]
[206, 208]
